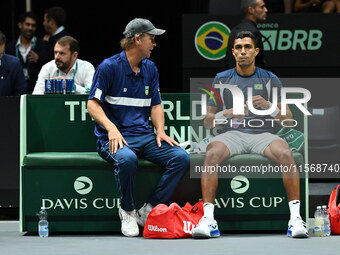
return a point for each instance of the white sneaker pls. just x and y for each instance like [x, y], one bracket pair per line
[207, 227]
[297, 228]
[129, 225]
[142, 214]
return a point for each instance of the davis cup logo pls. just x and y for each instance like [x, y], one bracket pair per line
[83, 185]
[211, 40]
[239, 184]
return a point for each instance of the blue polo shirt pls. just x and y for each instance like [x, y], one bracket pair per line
[262, 83]
[126, 97]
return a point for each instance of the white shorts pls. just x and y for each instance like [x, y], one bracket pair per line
[241, 143]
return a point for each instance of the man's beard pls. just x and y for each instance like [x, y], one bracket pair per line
[62, 66]
[28, 35]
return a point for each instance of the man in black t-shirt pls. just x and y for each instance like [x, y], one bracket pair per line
[255, 12]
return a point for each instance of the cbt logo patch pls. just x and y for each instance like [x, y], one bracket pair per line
[239, 184]
[211, 40]
[83, 185]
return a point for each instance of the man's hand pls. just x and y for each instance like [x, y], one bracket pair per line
[161, 136]
[116, 139]
[46, 37]
[260, 102]
[228, 113]
[32, 56]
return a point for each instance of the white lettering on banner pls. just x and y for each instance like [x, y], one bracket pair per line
[72, 104]
[255, 202]
[168, 107]
[156, 229]
[83, 110]
[195, 114]
[73, 203]
[80, 204]
[73, 109]
[230, 202]
[108, 203]
[178, 112]
[188, 227]
[77, 111]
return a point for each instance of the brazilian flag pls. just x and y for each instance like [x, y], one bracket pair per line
[211, 40]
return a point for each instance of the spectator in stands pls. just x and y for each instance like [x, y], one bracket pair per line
[54, 22]
[12, 79]
[288, 6]
[324, 6]
[29, 49]
[124, 95]
[241, 137]
[66, 65]
[255, 12]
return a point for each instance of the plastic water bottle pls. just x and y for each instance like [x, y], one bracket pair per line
[318, 222]
[43, 223]
[327, 224]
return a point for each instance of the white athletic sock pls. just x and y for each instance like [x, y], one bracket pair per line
[294, 208]
[148, 208]
[208, 209]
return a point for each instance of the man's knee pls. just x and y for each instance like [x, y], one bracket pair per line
[286, 155]
[182, 158]
[216, 153]
[128, 160]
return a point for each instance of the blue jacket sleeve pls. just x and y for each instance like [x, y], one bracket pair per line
[19, 85]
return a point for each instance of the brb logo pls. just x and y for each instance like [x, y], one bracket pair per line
[211, 40]
[285, 39]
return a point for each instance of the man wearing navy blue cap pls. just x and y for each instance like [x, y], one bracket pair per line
[124, 95]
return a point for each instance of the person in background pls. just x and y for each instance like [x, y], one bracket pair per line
[288, 6]
[30, 49]
[54, 25]
[322, 6]
[124, 95]
[12, 79]
[255, 12]
[66, 65]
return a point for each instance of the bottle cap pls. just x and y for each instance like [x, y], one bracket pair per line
[318, 207]
[324, 206]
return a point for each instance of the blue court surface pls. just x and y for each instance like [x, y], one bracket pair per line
[13, 242]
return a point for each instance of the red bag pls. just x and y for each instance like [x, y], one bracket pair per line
[334, 211]
[173, 221]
